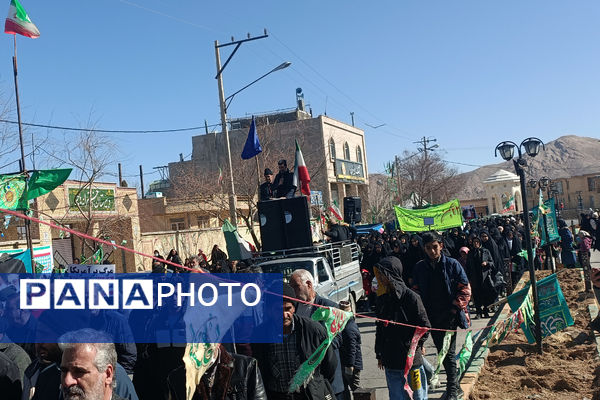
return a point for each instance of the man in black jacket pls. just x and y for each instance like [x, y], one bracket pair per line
[279, 362]
[303, 284]
[350, 353]
[284, 182]
[266, 188]
[337, 232]
[392, 341]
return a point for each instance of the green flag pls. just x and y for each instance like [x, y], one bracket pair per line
[554, 311]
[440, 358]
[46, 180]
[335, 320]
[465, 353]
[237, 247]
[438, 217]
[12, 188]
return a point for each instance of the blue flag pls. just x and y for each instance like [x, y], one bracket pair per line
[252, 146]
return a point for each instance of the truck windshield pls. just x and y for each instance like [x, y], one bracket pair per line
[287, 267]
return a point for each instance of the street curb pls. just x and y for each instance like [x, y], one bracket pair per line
[470, 377]
[477, 362]
[593, 310]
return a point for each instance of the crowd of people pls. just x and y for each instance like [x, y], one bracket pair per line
[428, 280]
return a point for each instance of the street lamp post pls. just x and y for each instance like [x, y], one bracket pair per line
[532, 148]
[544, 183]
[224, 104]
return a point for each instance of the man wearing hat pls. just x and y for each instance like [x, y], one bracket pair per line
[284, 182]
[266, 188]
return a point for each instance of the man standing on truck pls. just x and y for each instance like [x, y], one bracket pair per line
[284, 182]
[266, 188]
[337, 232]
[444, 288]
[303, 284]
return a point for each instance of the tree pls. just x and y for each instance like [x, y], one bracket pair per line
[428, 176]
[90, 154]
[382, 194]
[200, 188]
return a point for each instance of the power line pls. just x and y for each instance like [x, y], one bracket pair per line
[67, 128]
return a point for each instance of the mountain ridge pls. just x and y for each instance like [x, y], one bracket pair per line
[566, 156]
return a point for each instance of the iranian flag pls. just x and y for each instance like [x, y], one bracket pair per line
[334, 209]
[301, 173]
[18, 22]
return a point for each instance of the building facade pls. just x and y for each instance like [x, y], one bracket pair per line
[500, 187]
[334, 153]
[102, 210]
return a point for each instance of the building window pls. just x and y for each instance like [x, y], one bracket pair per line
[177, 224]
[334, 194]
[358, 154]
[203, 221]
[21, 230]
[331, 149]
[558, 186]
[346, 151]
[591, 184]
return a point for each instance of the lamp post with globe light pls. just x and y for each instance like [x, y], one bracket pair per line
[507, 151]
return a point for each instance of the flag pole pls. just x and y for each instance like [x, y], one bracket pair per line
[258, 175]
[23, 168]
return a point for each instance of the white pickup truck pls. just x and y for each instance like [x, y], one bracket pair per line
[335, 268]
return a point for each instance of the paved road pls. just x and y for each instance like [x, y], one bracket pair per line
[372, 377]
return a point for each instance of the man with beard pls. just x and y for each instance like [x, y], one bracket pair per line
[303, 284]
[87, 369]
[280, 361]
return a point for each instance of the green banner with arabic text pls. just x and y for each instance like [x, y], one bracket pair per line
[437, 218]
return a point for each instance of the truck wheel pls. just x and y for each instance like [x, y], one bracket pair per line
[352, 302]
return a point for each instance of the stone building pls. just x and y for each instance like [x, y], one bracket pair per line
[499, 188]
[334, 153]
[576, 194]
[186, 225]
[113, 216]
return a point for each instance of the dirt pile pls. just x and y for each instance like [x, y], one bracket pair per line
[568, 369]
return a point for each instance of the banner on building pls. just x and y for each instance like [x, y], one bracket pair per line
[91, 268]
[439, 217]
[42, 256]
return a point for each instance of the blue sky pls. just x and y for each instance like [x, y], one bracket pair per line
[469, 73]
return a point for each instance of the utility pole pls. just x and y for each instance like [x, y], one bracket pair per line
[223, 107]
[425, 143]
[398, 179]
[142, 181]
